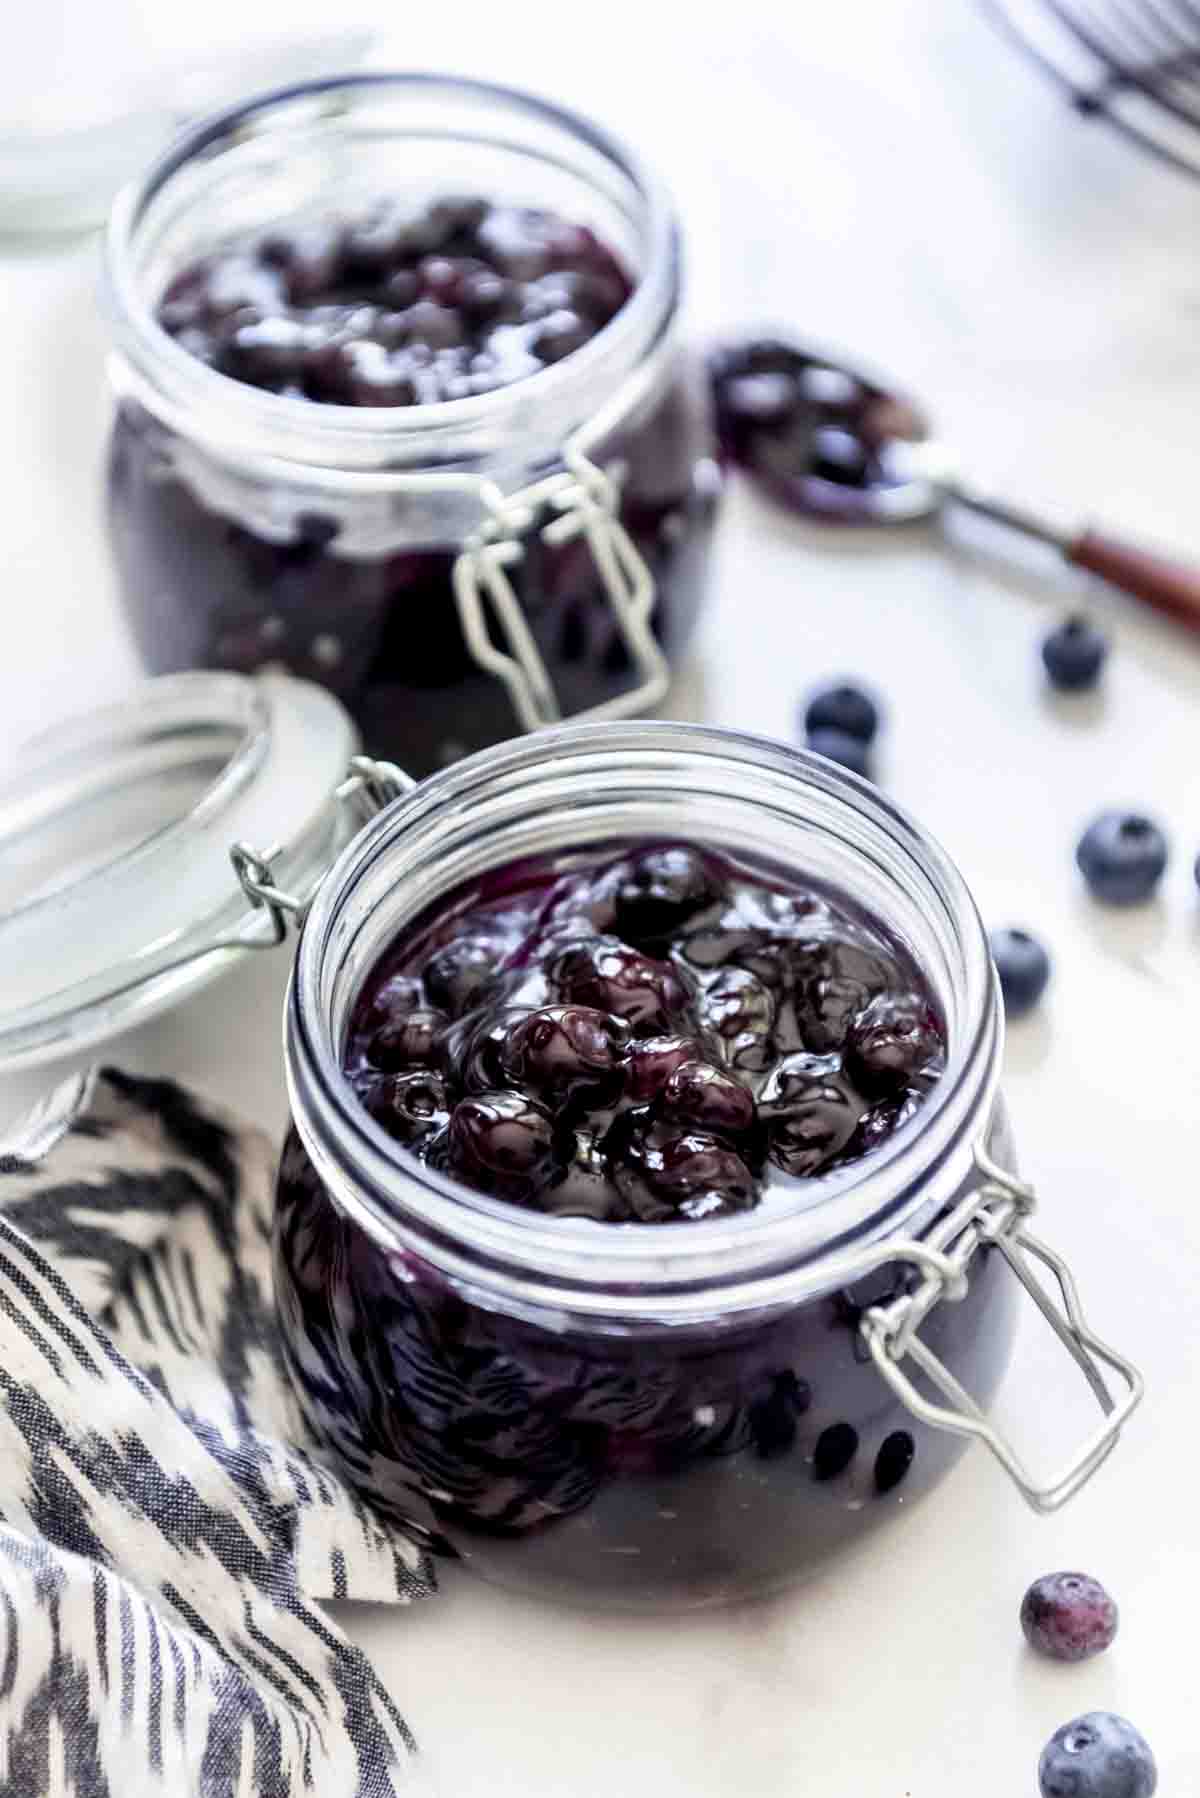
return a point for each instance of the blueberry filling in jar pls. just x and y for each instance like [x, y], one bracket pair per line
[654, 1034]
[396, 361]
[645, 1226]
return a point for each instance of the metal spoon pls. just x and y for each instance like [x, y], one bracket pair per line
[831, 442]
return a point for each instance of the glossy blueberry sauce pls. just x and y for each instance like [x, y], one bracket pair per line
[549, 1034]
[397, 309]
[816, 437]
[654, 1035]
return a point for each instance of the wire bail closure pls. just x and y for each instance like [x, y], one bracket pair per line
[368, 787]
[995, 1214]
[586, 498]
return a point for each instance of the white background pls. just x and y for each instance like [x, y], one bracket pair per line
[889, 175]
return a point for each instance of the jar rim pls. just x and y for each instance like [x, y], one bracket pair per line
[232, 416]
[607, 1270]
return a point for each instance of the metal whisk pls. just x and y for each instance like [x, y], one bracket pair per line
[1135, 63]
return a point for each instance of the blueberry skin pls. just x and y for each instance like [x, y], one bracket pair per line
[838, 746]
[1098, 1755]
[844, 707]
[1068, 1617]
[1024, 969]
[1122, 856]
[1074, 653]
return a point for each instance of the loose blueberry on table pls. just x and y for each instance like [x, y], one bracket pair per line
[1074, 654]
[1068, 1617]
[1122, 856]
[1024, 969]
[654, 1036]
[395, 309]
[1098, 1755]
[814, 437]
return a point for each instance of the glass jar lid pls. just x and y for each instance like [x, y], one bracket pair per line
[117, 897]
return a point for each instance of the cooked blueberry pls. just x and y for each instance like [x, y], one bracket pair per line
[846, 751]
[809, 1114]
[893, 1461]
[611, 976]
[738, 1009]
[411, 1041]
[838, 455]
[459, 974]
[662, 889]
[410, 1107]
[583, 1189]
[773, 1420]
[1023, 967]
[504, 1140]
[485, 295]
[561, 335]
[666, 1174]
[836, 1448]
[650, 1061]
[697, 1093]
[1122, 856]
[394, 998]
[395, 308]
[566, 1054]
[1068, 1616]
[1098, 1755]
[1074, 653]
[844, 707]
[894, 1037]
[759, 400]
[825, 1005]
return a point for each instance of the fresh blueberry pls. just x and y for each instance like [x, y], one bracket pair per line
[845, 707]
[1122, 856]
[1068, 1617]
[1097, 1755]
[1074, 653]
[1024, 969]
[838, 746]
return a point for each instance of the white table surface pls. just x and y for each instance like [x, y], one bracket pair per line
[890, 176]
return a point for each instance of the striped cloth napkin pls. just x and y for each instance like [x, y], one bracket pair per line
[167, 1530]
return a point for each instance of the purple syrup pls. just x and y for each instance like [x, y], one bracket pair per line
[648, 1034]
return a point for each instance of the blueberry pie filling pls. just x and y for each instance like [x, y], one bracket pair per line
[395, 309]
[653, 1036]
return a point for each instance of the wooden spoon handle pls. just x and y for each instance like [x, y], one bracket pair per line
[1168, 585]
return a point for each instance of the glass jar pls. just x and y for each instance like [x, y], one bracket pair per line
[454, 571]
[673, 1416]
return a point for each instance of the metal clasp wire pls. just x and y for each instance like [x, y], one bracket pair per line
[369, 786]
[586, 500]
[996, 1214]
